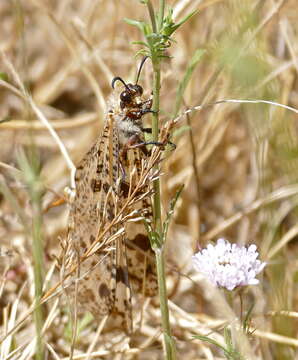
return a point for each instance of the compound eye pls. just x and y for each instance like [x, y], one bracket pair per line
[138, 89]
[125, 96]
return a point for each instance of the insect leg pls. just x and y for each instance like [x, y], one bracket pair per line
[167, 142]
[156, 143]
[147, 130]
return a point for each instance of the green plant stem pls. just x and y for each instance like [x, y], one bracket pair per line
[161, 13]
[159, 250]
[38, 272]
[30, 168]
[156, 184]
[152, 16]
[162, 288]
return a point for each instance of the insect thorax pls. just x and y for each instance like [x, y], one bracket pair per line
[128, 115]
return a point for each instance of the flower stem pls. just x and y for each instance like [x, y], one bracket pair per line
[38, 277]
[169, 343]
[161, 13]
[30, 168]
[155, 121]
[159, 251]
[152, 16]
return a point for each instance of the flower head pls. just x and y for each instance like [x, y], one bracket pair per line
[229, 265]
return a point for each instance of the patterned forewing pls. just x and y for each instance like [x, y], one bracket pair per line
[93, 208]
[140, 256]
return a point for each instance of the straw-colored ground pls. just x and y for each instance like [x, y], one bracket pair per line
[238, 163]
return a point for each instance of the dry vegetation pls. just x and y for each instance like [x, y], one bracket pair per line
[238, 163]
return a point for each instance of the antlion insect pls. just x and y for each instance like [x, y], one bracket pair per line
[107, 241]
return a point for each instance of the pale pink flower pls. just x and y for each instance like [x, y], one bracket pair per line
[229, 265]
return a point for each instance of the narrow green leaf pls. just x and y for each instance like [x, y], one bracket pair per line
[247, 319]
[187, 17]
[154, 237]
[209, 340]
[142, 52]
[170, 214]
[139, 24]
[228, 339]
[140, 43]
[170, 27]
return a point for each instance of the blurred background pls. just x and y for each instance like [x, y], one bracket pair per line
[238, 162]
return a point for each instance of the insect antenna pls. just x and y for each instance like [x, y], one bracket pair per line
[140, 67]
[118, 78]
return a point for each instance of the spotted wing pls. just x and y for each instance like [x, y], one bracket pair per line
[103, 285]
[140, 256]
